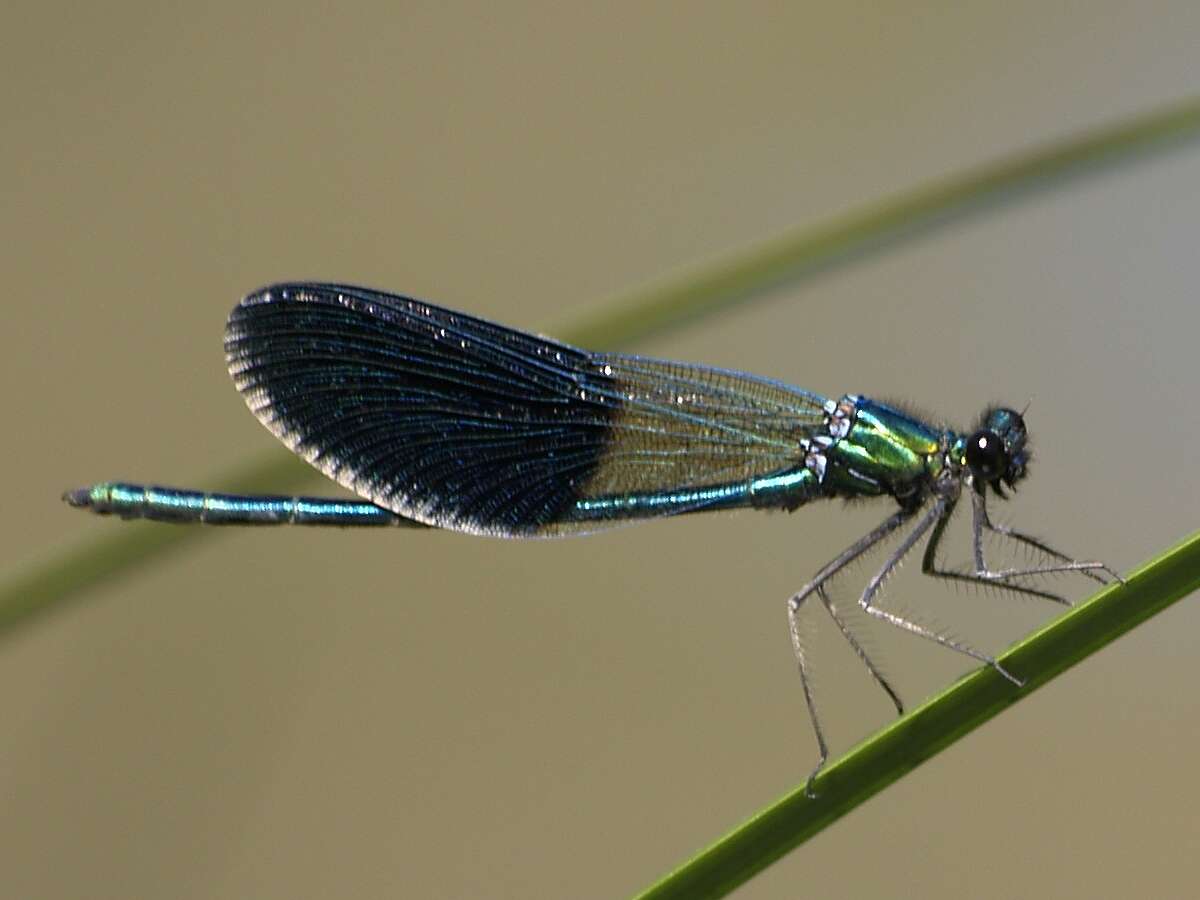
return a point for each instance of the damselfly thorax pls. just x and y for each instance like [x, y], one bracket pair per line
[437, 418]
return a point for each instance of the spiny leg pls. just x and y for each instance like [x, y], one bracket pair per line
[855, 550]
[860, 651]
[929, 564]
[982, 520]
[796, 601]
[810, 699]
[810, 702]
[937, 511]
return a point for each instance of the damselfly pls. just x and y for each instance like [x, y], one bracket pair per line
[441, 419]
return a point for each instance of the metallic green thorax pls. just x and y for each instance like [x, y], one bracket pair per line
[885, 451]
[435, 418]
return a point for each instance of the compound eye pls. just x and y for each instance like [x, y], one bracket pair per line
[985, 454]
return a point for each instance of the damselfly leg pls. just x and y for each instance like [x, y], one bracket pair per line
[981, 521]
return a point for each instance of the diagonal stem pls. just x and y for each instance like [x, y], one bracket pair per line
[902, 746]
[670, 304]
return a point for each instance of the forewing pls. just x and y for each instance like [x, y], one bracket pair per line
[461, 423]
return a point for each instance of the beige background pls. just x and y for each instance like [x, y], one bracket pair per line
[297, 714]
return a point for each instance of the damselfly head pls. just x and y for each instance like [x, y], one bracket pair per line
[996, 453]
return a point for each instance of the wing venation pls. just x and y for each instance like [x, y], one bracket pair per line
[462, 423]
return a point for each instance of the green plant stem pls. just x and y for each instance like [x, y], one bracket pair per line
[680, 298]
[670, 304]
[68, 577]
[914, 738]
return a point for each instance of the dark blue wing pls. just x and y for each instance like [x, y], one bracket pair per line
[461, 423]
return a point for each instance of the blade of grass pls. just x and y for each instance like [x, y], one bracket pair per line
[68, 577]
[909, 741]
[683, 297]
[672, 303]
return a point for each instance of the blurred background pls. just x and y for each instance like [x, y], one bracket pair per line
[290, 713]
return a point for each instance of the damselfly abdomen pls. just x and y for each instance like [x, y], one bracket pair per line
[441, 419]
